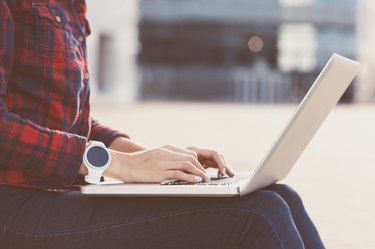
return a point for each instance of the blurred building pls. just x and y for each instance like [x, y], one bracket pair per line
[321, 27]
[242, 50]
[365, 90]
[217, 50]
[192, 49]
[113, 47]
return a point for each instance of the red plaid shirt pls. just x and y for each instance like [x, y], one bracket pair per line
[44, 93]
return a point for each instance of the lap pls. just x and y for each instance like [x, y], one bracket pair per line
[38, 213]
[31, 205]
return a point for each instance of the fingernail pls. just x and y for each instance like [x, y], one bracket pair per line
[224, 171]
[197, 179]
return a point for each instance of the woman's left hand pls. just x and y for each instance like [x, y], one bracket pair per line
[212, 159]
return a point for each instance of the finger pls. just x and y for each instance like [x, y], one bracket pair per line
[213, 156]
[212, 164]
[209, 164]
[191, 159]
[229, 170]
[166, 154]
[187, 167]
[181, 150]
[179, 175]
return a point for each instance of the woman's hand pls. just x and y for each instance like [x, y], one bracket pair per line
[157, 165]
[166, 163]
[212, 159]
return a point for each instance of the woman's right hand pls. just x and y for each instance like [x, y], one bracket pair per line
[157, 165]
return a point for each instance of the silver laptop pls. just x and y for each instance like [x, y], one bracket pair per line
[323, 95]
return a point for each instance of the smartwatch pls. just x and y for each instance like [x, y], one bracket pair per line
[96, 159]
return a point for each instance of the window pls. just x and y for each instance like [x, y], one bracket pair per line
[297, 46]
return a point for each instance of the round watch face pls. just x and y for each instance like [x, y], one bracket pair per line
[97, 156]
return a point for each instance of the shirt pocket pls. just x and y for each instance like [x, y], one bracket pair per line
[53, 37]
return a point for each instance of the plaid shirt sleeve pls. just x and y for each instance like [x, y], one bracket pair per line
[26, 147]
[104, 133]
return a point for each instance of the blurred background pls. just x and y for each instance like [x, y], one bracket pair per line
[228, 74]
[249, 51]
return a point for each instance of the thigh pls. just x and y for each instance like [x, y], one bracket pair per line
[304, 224]
[34, 218]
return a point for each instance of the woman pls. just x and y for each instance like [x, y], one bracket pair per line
[46, 131]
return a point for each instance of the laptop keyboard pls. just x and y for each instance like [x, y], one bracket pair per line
[214, 181]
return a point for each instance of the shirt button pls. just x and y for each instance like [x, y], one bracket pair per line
[86, 76]
[81, 38]
[58, 19]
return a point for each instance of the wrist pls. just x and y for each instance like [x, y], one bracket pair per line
[96, 158]
[115, 168]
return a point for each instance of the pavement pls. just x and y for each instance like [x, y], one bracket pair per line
[334, 176]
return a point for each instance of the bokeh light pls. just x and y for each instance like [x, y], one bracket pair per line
[255, 44]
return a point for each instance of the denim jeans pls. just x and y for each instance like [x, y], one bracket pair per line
[270, 218]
